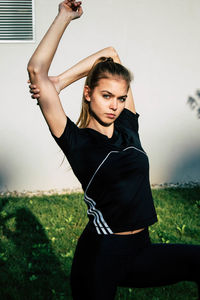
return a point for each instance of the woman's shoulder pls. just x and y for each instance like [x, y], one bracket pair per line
[128, 119]
[75, 138]
[128, 113]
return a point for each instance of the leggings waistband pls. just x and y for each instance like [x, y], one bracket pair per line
[114, 243]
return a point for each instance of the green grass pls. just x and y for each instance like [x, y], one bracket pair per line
[38, 236]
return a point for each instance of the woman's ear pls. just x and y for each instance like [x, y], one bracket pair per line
[87, 93]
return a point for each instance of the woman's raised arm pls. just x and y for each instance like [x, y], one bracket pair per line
[40, 62]
[76, 72]
[81, 70]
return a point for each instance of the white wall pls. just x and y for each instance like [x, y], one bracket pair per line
[158, 40]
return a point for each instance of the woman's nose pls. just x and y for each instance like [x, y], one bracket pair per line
[114, 104]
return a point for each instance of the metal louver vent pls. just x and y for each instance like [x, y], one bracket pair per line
[16, 20]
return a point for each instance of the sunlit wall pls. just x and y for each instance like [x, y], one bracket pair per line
[157, 40]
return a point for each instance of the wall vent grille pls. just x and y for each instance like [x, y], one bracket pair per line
[16, 21]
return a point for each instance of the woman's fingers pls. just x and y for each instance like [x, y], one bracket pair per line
[35, 96]
[72, 2]
[77, 9]
[34, 91]
[72, 7]
[32, 86]
[80, 10]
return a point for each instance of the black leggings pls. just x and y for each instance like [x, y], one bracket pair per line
[103, 262]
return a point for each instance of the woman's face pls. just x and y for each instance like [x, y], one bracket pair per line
[107, 100]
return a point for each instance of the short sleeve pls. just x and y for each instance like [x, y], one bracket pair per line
[68, 139]
[128, 119]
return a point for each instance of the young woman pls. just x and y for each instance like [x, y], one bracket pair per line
[106, 155]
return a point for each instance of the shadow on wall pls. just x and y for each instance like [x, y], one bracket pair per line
[6, 172]
[187, 169]
[4, 176]
[28, 267]
[195, 103]
[3, 181]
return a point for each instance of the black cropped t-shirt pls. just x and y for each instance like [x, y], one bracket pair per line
[114, 174]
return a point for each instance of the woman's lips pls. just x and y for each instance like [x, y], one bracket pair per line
[111, 116]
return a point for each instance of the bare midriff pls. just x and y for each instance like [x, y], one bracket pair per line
[130, 232]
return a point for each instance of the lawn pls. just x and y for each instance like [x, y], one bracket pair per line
[38, 235]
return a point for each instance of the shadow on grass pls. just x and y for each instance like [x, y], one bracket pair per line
[29, 267]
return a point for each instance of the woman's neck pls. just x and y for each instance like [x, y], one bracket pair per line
[106, 130]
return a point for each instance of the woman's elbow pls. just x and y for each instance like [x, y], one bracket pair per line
[34, 68]
[34, 72]
[113, 50]
[113, 53]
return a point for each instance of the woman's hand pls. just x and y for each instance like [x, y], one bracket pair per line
[35, 91]
[72, 8]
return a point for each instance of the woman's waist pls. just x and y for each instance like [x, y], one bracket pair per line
[129, 232]
[122, 230]
[121, 227]
[123, 244]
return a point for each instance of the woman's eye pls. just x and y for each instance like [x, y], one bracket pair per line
[122, 99]
[106, 96]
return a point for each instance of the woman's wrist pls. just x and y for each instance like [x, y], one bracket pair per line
[67, 78]
[64, 16]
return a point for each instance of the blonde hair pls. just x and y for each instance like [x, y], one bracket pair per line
[104, 67]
